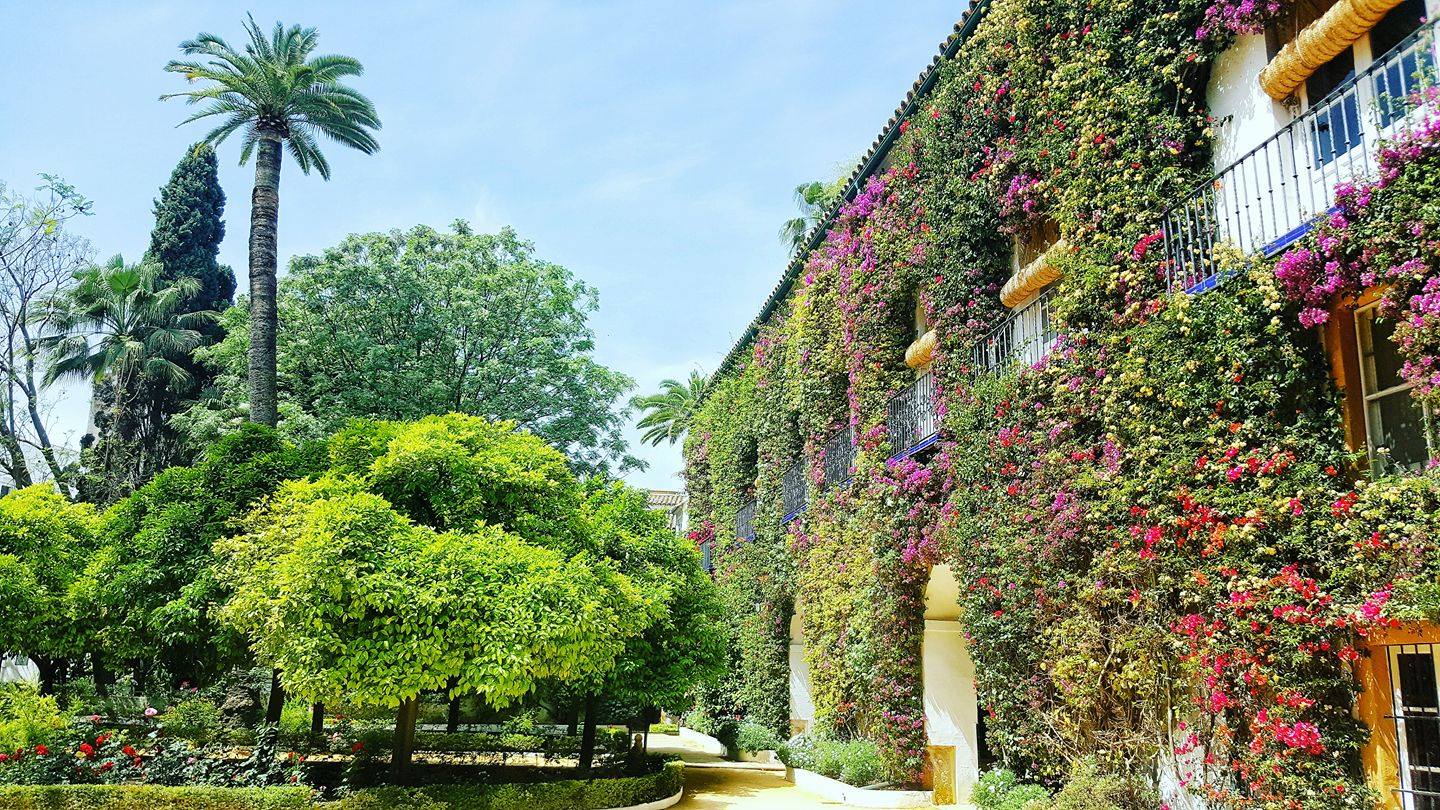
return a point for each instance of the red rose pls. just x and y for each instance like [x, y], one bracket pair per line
[355, 749]
[128, 750]
[41, 750]
[87, 750]
[4, 757]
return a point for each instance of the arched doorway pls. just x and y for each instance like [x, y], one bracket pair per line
[802, 707]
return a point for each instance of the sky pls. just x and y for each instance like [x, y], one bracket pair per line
[650, 147]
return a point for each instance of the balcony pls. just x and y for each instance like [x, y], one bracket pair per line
[1271, 196]
[707, 556]
[745, 520]
[1023, 338]
[839, 458]
[911, 418]
[792, 492]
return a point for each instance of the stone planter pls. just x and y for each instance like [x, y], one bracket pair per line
[762, 757]
[836, 791]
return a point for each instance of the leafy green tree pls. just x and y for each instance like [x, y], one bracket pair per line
[351, 598]
[118, 325]
[184, 244]
[404, 324]
[278, 93]
[669, 413]
[682, 645]
[814, 200]
[153, 585]
[45, 543]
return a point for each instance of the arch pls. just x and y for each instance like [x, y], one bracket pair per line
[952, 717]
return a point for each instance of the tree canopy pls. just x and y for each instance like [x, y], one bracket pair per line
[404, 324]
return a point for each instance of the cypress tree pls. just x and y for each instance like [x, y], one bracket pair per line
[186, 244]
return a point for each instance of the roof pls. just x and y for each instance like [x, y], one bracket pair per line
[865, 169]
[664, 498]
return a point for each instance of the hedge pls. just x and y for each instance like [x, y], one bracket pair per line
[607, 741]
[593, 794]
[151, 797]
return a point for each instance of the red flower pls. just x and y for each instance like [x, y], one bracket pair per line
[41, 750]
[87, 750]
[128, 750]
[4, 757]
[355, 749]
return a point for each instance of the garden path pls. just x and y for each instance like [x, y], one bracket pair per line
[712, 783]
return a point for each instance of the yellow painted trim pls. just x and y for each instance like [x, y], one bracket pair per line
[1319, 42]
[1032, 278]
[1379, 757]
[922, 352]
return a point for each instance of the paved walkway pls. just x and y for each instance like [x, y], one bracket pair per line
[712, 783]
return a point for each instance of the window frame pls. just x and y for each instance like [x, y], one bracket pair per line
[1405, 786]
[1364, 317]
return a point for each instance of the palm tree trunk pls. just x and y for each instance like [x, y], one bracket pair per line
[264, 223]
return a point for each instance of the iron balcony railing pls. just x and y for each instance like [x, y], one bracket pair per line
[1270, 196]
[1023, 338]
[911, 419]
[792, 491]
[745, 520]
[839, 458]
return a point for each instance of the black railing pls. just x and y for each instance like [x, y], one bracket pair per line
[792, 491]
[707, 556]
[911, 418]
[1271, 196]
[745, 520]
[1024, 338]
[839, 458]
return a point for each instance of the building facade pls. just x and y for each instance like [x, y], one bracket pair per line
[1094, 424]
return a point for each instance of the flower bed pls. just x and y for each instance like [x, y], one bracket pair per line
[590, 794]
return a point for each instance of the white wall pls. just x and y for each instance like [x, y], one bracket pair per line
[1244, 115]
[802, 708]
[951, 707]
[17, 668]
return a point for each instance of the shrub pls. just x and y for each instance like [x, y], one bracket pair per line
[755, 737]
[195, 719]
[27, 717]
[151, 797]
[593, 794]
[1089, 789]
[1001, 789]
[664, 728]
[854, 762]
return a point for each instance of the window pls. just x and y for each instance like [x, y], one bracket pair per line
[1415, 707]
[1397, 427]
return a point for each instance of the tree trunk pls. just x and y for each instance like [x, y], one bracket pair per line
[276, 705]
[452, 720]
[264, 224]
[101, 674]
[403, 748]
[48, 670]
[587, 739]
[317, 718]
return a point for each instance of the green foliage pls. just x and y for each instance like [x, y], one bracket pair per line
[667, 414]
[404, 324]
[1000, 789]
[195, 719]
[593, 794]
[152, 797]
[27, 718]
[754, 737]
[152, 586]
[45, 543]
[184, 245]
[359, 599]
[855, 762]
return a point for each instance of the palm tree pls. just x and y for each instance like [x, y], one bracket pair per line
[668, 414]
[119, 323]
[814, 199]
[278, 94]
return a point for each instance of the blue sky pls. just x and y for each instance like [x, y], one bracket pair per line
[650, 147]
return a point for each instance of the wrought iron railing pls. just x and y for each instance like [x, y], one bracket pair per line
[911, 419]
[1024, 338]
[839, 457]
[1270, 196]
[745, 520]
[792, 491]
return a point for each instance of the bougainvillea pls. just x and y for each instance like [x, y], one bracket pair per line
[1383, 231]
[1159, 551]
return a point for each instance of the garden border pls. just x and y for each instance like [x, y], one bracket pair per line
[837, 791]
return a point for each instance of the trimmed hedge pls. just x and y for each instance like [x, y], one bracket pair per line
[592, 794]
[151, 797]
[611, 741]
